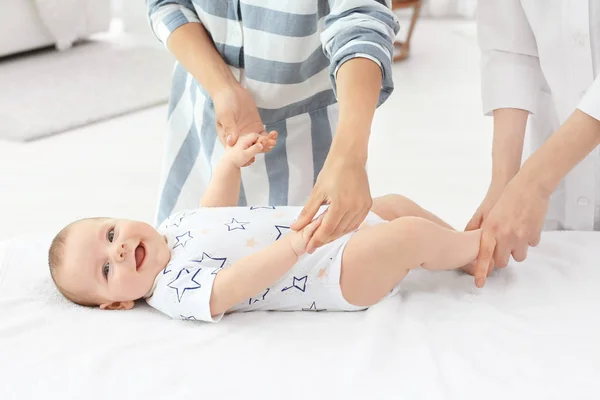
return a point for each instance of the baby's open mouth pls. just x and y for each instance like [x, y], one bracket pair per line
[140, 255]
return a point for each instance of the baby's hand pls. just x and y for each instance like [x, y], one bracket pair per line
[300, 239]
[248, 146]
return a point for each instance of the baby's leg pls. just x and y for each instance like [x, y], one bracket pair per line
[393, 206]
[377, 258]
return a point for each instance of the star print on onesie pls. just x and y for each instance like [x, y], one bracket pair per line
[281, 230]
[177, 222]
[183, 239]
[215, 263]
[259, 297]
[167, 269]
[313, 307]
[177, 219]
[207, 241]
[234, 225]
[298, 283]
[185, 281]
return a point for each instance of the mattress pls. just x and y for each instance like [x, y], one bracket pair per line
[531, 333]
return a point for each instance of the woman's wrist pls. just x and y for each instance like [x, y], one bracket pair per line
[540, 173]
[219, 80]
[502, 174]
[358, 85]
[195, 50]
[507, 146]
[506, 158]
[349, 145]
[570, 144]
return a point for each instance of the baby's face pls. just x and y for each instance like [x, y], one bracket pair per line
[112, 261]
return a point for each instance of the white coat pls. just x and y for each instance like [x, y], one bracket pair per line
[543, 56]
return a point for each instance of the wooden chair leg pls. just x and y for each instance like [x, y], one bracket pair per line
[404, 47]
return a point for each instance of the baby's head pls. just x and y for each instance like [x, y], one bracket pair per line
[105, 262]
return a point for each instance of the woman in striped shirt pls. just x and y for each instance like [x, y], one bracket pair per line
[312, 70]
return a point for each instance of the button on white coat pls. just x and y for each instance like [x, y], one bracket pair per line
[583, 201]
[580, 39]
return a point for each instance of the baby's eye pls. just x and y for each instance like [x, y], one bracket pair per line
[111, 234]
[106, 270]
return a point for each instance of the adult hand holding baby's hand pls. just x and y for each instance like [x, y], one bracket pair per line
[300, 239]
[236, 114]
[343, 184]
[248, 146]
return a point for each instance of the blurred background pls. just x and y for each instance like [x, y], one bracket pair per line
[84, 87]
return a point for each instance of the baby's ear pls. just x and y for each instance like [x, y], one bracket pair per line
[118, 305]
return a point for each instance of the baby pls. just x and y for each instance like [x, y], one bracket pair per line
[201, 264]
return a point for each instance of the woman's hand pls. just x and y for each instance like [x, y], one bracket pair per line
[480, 216]
[489, 201]
[343, 184]
[299, 240]
[236, 114]
[247, 147]
[513, 224]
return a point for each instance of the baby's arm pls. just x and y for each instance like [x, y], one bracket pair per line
[224, 187]
[252, 274]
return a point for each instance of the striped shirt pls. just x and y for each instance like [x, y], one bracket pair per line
[286, 54]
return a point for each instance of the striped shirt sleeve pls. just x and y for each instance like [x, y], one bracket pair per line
[361, 28]
[165, 16]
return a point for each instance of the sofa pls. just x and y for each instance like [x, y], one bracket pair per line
[22, 28]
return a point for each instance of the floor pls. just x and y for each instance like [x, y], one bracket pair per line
[429, 142]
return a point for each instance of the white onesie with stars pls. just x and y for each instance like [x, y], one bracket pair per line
[205, 240]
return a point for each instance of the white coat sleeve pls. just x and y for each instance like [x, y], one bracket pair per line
[590, 104]
[511, 76]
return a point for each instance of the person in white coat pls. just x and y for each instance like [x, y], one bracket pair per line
[540, 68]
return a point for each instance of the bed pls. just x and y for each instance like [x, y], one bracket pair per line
[532, 333]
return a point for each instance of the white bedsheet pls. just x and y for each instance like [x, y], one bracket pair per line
[532, 333]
